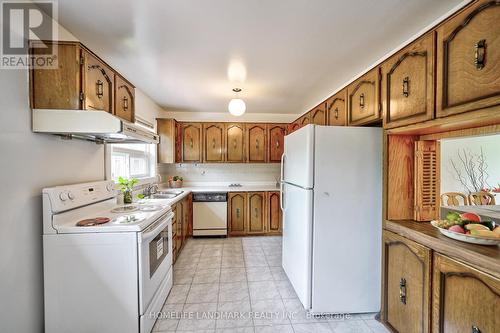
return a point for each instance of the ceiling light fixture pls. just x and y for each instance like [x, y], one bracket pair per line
[237, 106]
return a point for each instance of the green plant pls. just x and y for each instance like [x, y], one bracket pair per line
[126, 186]
[176, 178]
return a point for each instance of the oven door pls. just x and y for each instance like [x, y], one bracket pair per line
[155, 258]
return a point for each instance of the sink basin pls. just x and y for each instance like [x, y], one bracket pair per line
[163, 196]
[175, 192]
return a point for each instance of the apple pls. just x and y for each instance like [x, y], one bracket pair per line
[470, 217]
[457, 229]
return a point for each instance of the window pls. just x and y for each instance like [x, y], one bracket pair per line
[132, 160]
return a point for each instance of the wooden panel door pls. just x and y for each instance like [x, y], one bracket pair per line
[427, 180]
[256, 216]
[213, 142]
[186, 211]
[180, 225]
[318, 115]
[256, 143]
[57, 88]
[191, 142]
[363, 99]
[98, 84]
[274, 217]
[276, 136]
[174, 232]
[464, 299]
[406, 284]
[407, 86]
[305, 120]
[236, 215]
[336, 109]
[124, 99]
[293, 127]
[468, 60]
[235, 143]
[166, 129]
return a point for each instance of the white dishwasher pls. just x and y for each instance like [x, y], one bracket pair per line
[209, 214]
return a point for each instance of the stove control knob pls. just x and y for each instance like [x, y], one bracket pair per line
[71, 196]
[109, 187]
[63, 196]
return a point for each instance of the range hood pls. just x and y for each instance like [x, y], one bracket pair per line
[93, 125]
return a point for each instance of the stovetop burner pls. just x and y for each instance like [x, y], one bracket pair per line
[125, 209]
[149, 208]
[92, 222]
[126, 219]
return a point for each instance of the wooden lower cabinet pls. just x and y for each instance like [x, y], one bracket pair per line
[182, 224]
[406, 281]
[236, 213]
[256, 218]
[464, 299]
[275, 216]
[174, 233]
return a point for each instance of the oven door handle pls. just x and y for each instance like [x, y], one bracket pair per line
[154, 229]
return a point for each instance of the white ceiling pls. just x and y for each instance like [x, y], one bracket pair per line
[294, 52]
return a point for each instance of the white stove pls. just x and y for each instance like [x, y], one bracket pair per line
[107, 267]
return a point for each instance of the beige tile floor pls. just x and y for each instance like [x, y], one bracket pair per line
[238, 285]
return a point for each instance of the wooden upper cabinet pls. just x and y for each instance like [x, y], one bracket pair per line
[427, 180]
[58, 88]
[256, 143]
[274, 217]
[336, 109]
[166, 129]
[363, 99]
[305, 119]
[407, 87]
[318, 115]
[236, 213]
[98, 84]
[235, 143]
[213, 142]
[124, 99]
[191, 142]
[468, 60]
[406, 284]
[276, 136]
[256, 212]
[464, 299]
[293, 127]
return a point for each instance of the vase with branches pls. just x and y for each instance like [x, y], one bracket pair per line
[471, 170]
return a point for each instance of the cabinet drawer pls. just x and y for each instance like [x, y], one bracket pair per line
[363, 99]
[464, 299]
[406, 280]
[468, 59]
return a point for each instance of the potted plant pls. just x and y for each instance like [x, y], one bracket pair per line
[126, 186]
[177, 181]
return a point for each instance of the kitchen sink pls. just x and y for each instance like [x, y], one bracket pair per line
[170, 194]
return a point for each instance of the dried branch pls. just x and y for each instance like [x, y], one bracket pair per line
[471, 170]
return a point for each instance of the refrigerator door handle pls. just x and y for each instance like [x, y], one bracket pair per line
[281, 197]
[282, 171]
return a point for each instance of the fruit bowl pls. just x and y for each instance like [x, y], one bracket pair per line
[481, 240]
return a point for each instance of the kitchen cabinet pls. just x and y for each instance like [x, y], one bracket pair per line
[464, 299]
[167, 131]
[318, 115]
[124, 99]
[256, 217]
[336, 109]
[276, 138]
[236, 218]
[186, 217]
[99, 85]
[406, 281]
[468, 60]
[235, 143]
[407, 86]
[363, 99]
[293, 127]
[256, 143]
[274, 214]
[174, 233]
[191, 142]
[213, 142]
[180, 224]
[305, 120]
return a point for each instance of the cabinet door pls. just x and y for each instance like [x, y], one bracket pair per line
[407, 86]
[180, 223]
[406, 284]
[237, 213]
[363, 99]
[166, 129]
[464, 299]
[468, 59]
[98, 83]
[174, 232]
[305, 120]
[191, 142]
[124, 99]
[235, 143]
[58, 88]
[318, 115]
[336, 109]
[256, 212]
[274, 217]
[293, 127]
[256, 143]
[185, 220]
[276, 135]
[213, 143]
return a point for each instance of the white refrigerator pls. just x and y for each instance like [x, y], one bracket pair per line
[331, 197]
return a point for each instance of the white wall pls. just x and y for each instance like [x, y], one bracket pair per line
[28, 163]
[227, 117]
[449, 149]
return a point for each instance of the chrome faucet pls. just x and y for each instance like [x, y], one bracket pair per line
[150, 189]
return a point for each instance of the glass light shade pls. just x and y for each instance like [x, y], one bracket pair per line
[237, 107]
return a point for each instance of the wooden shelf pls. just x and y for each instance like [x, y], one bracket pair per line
[485, 258]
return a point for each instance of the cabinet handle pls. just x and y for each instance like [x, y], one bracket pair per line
[99, 88]
[336, 113]
[256, 213]
[362, 101]
[475, 329]
[402, 290]
[257, 144]
[406, 86]
[213, 143]
[237, 213]
[125, 103]
[479, 54]
[234, 144]
[277, 144]
[191, 143]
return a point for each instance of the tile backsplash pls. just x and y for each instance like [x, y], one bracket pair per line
[222, 173]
